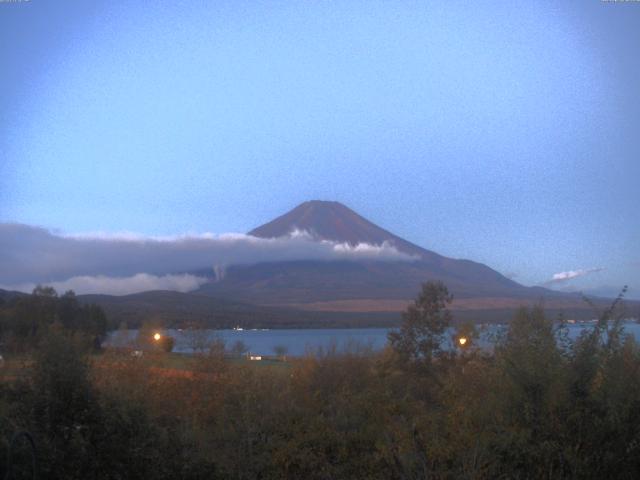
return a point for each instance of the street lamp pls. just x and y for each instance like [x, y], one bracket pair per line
[462, 341]
[157, 337]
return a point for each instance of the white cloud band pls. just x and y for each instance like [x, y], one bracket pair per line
[119, 262]
[571, 274]
[141, 282]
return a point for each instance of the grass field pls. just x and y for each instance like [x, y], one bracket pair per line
[16, 367]
[181, 361]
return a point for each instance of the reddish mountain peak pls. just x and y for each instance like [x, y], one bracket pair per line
[333, 221]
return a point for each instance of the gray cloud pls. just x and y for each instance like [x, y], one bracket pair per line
[30, 255]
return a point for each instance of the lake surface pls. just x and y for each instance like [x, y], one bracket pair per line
[301, 341]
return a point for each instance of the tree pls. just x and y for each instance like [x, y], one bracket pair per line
[604, 391]
[239, 348]
[44, 291]
[424, 325]
[532, 402]
[197, 337]
[167, 343]
[26, 318]
[62, 407]
[281, 351]
[213, 361]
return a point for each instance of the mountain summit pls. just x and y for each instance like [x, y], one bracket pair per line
[362, 285]
[335, 222]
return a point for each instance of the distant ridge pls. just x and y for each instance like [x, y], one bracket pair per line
[364, 285]
[6, 295]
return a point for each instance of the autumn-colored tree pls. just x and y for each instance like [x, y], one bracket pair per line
[424, 324]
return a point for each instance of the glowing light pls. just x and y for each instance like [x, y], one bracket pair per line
[462, 341]
[157, 337]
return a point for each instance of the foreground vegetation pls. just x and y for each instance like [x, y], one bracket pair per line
[538, 406]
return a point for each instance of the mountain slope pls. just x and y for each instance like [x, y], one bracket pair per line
[6, 295]
[176, 309]
[373, 285]
[336, 222]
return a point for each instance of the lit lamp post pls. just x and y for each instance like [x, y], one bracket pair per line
[463, 343]
[163, 342]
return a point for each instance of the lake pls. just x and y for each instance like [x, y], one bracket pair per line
[300, 341]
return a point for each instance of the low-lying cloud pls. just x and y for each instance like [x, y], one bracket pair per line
[141, 282]
[124, 263]
[563, 277]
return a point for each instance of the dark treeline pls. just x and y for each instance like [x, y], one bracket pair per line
[25, 318]
[538, 406]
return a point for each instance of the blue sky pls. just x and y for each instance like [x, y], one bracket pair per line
[504, 132]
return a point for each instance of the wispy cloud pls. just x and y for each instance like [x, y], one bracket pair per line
[563, 277]
[30, 255]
